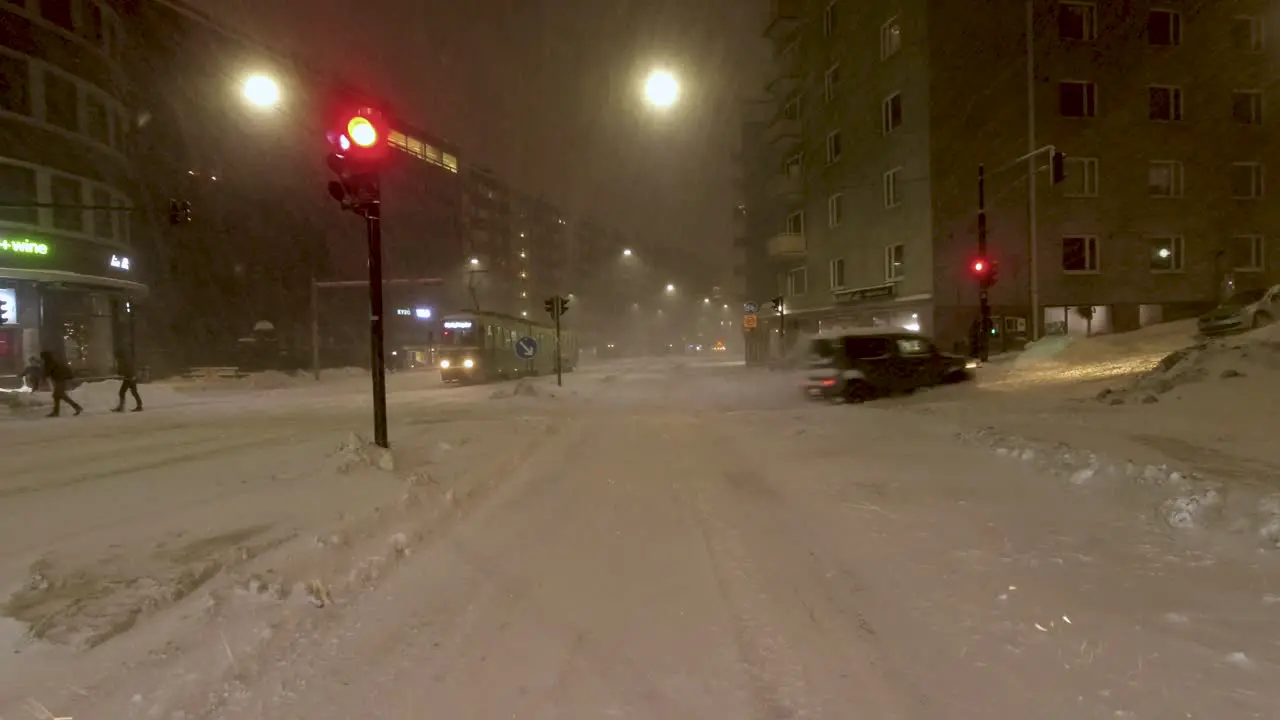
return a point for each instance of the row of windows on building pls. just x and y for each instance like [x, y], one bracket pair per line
[40, 92]
[1078, 22]
[1165, 103]
[1081, 254]
[88, 21]
[78, 206]
[422, 150]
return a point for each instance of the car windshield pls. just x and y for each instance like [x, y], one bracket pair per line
[1244, 297]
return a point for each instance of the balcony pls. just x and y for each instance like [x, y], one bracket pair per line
[784, 16]
[786, 186]
[783, 129]
[785, 83]
[787, 244]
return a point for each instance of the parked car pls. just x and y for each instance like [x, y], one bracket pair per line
[861, 366]
[1244, 310]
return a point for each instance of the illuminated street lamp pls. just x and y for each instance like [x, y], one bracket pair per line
[627, 252]
[261, 91]
[671, 288]
[661, 89]
[475, 262]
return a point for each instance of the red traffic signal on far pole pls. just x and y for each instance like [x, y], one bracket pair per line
[979, 267]
[985, 271]
[360, 133]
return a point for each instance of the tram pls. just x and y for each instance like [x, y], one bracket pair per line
[480, 347]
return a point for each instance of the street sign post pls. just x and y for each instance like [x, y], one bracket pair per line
[526, 348]
[750, 322]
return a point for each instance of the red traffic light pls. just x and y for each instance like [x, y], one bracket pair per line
[979, 266]
[362, 132]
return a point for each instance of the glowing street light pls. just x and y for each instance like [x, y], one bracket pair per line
[661, 89]
[627, 252]
[706, 301]
[671, 288]
[475, 262]
[261, 91]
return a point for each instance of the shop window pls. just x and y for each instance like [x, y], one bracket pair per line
[18, 187]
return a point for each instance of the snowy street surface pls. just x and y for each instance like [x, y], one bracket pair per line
[658, 539]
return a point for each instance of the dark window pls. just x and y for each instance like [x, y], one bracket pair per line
[68, 191]
[892, 110]
[865, 348]
[103, 220]
[57, 12]
[1164, 103]
[15, 85]
[61, 101]
[1078, 99]
[18, 187]
[91, 23]
[1077, 21]
[1246, 107]
[1164, 27]
[96, 118]
[1079, 254]
[1247, 34]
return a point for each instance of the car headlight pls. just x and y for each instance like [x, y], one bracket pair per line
[468, 363]
[444, 364]
[971, 364]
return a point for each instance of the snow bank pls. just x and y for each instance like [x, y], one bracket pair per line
[1152, 341]
[1211, 361]
[1188, 502]
[359, 451]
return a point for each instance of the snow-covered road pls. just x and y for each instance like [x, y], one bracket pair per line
[661, 541]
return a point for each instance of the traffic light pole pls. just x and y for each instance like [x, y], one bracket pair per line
[559, 355]
[984, 304]
[373, 222]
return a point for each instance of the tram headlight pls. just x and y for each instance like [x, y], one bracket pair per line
[444, 364]
[468, 363]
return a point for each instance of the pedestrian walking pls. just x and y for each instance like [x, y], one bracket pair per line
[32, 374]
[58, 375]
[128, 381]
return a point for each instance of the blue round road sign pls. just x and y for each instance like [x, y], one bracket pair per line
[750, 308]
[526, 348]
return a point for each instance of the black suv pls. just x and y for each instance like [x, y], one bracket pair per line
[862, 366]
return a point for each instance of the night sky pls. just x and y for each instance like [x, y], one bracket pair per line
[548, 93]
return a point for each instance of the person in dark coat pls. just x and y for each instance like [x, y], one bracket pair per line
[128, 381]
[33, 374]
[58, 375]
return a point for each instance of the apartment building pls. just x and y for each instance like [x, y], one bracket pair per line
[886, 109]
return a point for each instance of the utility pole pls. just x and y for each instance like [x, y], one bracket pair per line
[984, 304]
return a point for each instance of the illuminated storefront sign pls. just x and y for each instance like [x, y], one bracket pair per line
[422, 313]
[403, 312]
[458, 324]
[120, 262]
[23, 247]
[8, 307]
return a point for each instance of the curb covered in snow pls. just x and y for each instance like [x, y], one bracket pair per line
[1196, 504]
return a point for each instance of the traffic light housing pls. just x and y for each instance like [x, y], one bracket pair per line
[986, 271]
[777, 304]
[359, 140]
[179, 212]
[4, 312]
[1057, 167]
[556, 305]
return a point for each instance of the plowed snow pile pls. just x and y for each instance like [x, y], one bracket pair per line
[1253, 354]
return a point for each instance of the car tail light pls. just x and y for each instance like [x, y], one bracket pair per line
[828, 383]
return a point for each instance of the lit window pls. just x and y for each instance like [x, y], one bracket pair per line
[1166, 254]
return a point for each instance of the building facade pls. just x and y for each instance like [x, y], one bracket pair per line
[68, 275]
[885, 111]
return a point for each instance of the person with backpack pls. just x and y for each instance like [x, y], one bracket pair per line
[128, 381]
[58, 375]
